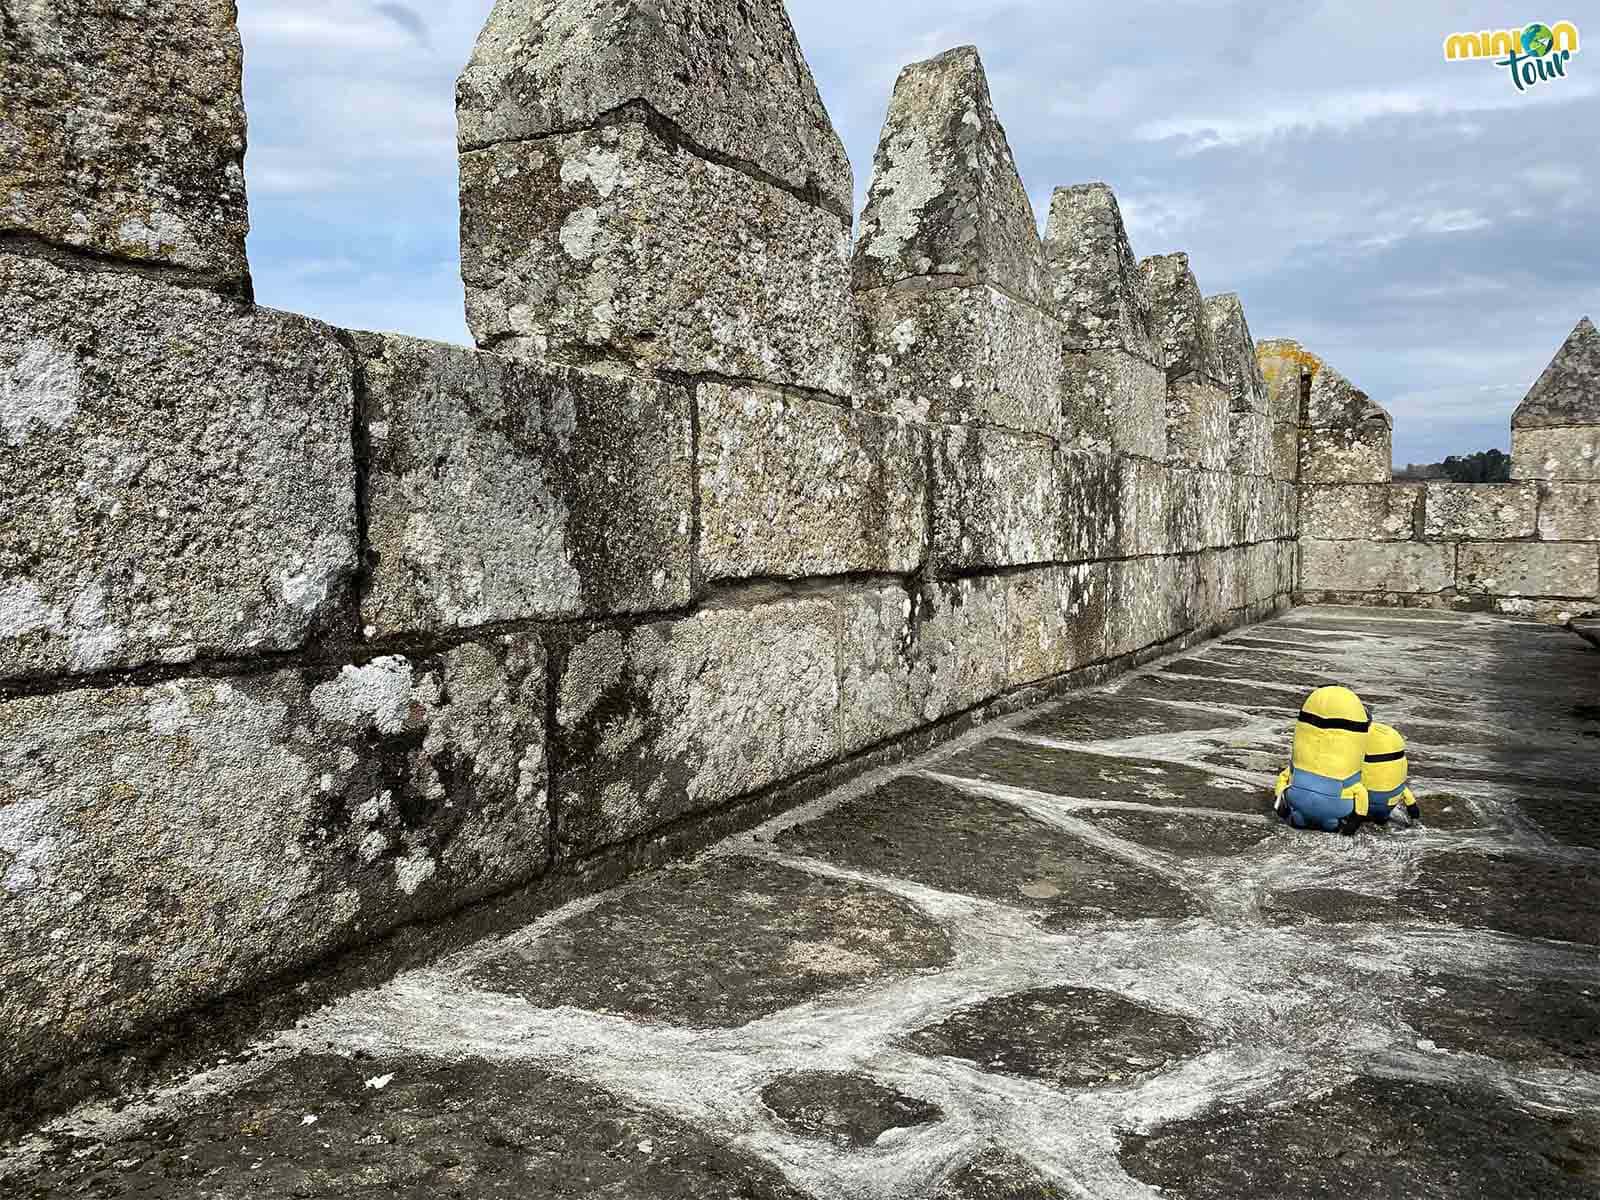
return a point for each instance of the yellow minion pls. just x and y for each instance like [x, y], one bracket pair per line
[1384, 774]
[1322, 789]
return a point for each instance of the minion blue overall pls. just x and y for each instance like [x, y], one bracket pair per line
[1322, 789]
[1384, 774]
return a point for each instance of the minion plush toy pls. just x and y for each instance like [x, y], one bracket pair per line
[1384, 773]
[1322, 789]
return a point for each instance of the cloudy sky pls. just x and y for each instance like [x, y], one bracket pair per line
[1423, 225]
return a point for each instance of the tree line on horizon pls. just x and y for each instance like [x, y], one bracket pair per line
[1486, 466]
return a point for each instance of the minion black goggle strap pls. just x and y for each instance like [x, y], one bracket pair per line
[1391, 756]
[1311, 718]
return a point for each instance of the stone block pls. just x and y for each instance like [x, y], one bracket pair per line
[167, 845]
[1286, 369]
[178, 480]
[995, 500]
[122, 133]
[1286, 510]
[1249, 443]
[1241, 374]
[1529, 569]
[1197, 424]
[945, 197]
[1178, 322]
[1111, 398]
[1357, 566]
[1283, 460]
[1373, 512]
[730, 76]
[1145, 603]
[1333, 400]
[960, 354]
[612, 243]
[1211, 497]
[503, 491]
[1480, 511]
[1346, 454]
[671, 718]
[1266, 570]
[1089, 486]
[1567, 393]
[1570, 453]
[1055, 620]
[1569, 512]
[1250, 516]
[1095, 280]
[793, 487]
[1146, 507]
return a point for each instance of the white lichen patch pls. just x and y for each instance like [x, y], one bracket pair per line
[376, 695]
[411, 872]
[42, 390]
[23, 610]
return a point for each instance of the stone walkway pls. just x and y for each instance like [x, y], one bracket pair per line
[1067, 955]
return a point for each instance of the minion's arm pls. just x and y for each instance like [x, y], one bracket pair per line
[1279, 804]
[1356, 793]
[1413, 809]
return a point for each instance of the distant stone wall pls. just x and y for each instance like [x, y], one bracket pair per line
[307, 633]
[1530, 547]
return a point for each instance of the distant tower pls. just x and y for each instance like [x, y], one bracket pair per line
[1555, 432]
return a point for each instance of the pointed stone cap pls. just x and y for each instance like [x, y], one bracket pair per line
[1236, 353]
[1568, 393]
[1178, 322]
[1333, 401]
[728, 73]
[1283, 362]
[946, 198]
[1094, 277]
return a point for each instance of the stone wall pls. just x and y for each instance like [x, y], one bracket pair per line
[307, 633]
[1530, 547]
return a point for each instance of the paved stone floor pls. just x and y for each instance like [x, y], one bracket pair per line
[1068, 955]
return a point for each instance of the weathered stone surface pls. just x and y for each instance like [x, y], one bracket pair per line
[731, 76]
[1111, 398]
[670, 718]
[178, 480]
[1544, 1022]
[1211, 498]
[1571, 453]
[614, 243]
[1089, 488]
[1104, 717]
[1249, 448]
[1055, 620]
[994, 499]
[996, 1174]
[1286, 367]
[1373, 512]
[726, 943]
[503, 491]
[1457, 1144]
[851, 1111]
[1481, 511]
[1284, 456]
[1568, 392]
[126, 137]
[1346, 454]
[1182, 834]
[1145, 604]
[162, 846]
[795, 487]
[1098, 288]
[1068, 1037]
[1529, 569]
[1145, 502]
[1178, 322]
[1236, 354]
[1197, 424]
[1569, 512]
[949, 839]
[946, 198]
[1361, 566]
[960, 354]
[1334, 401]
[468, 1129]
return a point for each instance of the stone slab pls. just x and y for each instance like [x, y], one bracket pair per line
[1542, 1022]
[1286, 368]
[1569, 512]
[1089, 487]
[1569, 452]
[945, 197]
[1095, 280]
[944, 838]
[125, 137]
[178, 479]
[1147, 603]
[612, 243]
[996, 1174]
[1346, 454]
[1334, 401]
[1104, 717]
[1361, 566]
[1055, 620]
[794, 487]
[163, 846]
[1567, 392]
[1480, 511]
[1198, 429]
[1111, 398]
[673, 717]
[849, 1110]
[1249, 449]
[465, 1128]
[1236, 354]
[1063, 1036]
[1283, 460]
[726, 943]
[1456, 1144]
[1178, 322]
[1145, 505]
[1529, 569]
[501, 491]
[994, 499]
[1250, 698]
[1373, 512]
[1183, 835]
[731, 77]
[960, 354]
